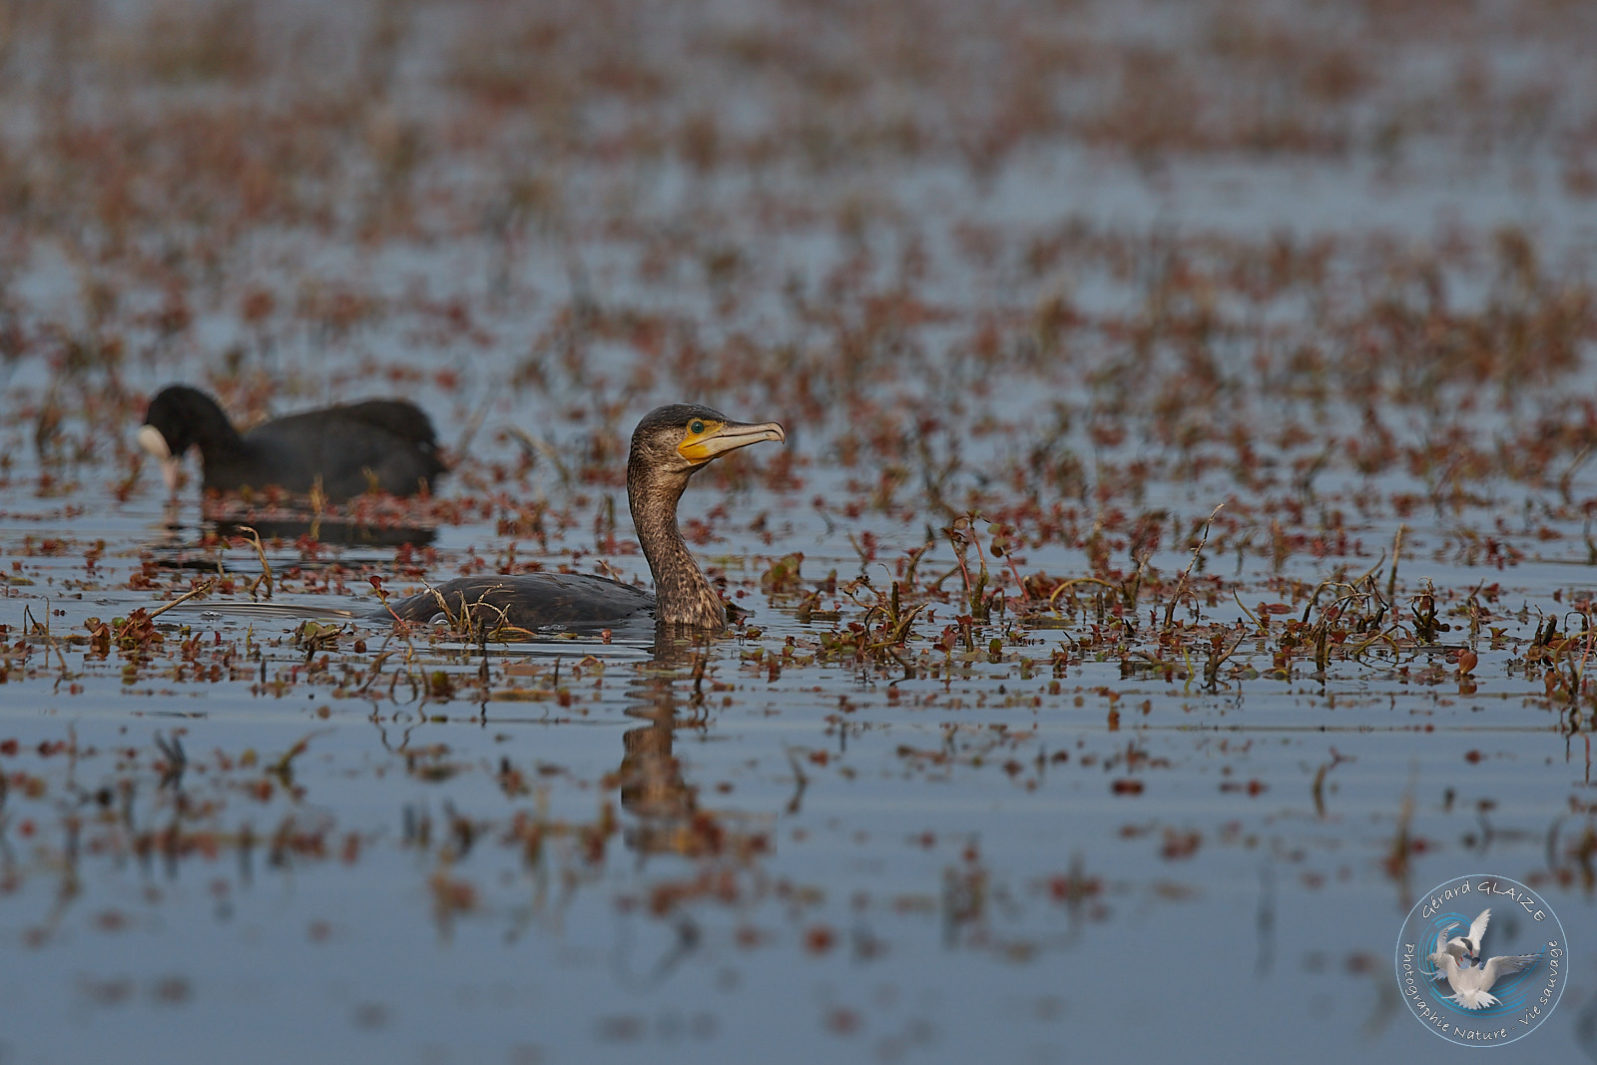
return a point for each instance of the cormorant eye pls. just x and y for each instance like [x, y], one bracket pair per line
[695, 427]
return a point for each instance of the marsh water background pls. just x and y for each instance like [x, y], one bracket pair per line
[1034, 287]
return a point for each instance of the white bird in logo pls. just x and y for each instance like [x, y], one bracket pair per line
[1441, 953]
[1470, 945]
[1472, 984]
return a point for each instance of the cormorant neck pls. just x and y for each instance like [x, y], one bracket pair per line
[683, 595]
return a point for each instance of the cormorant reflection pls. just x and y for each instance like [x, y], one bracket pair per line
[664, 805]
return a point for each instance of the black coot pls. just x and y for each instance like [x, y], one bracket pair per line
[383, 445]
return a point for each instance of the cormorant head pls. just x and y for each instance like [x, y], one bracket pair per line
[679, 438]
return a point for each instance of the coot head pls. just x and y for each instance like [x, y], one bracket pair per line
[178, 418]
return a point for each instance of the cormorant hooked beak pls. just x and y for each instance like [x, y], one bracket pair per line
[728, 436]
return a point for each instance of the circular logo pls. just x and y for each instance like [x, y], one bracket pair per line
[1482, 960]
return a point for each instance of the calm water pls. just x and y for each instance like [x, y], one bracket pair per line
[1065, 847]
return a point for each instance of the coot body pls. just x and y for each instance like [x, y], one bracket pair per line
[381, 445]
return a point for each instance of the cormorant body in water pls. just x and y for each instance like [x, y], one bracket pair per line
[386, 445]
[669, 444]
